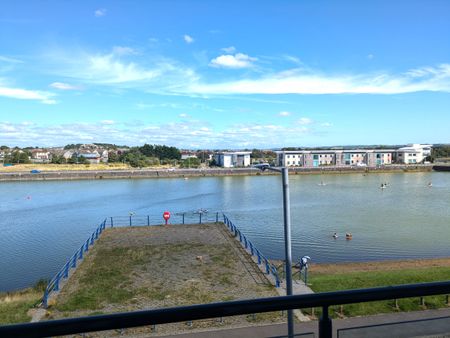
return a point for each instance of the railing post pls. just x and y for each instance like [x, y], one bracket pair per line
[56, 287]
[183, 217]
[66, 270]
[325, 325]
[217, 217]
[45, 299]
[80, 255]
[92, 239]
[200, 217]
[130, 220]
[96, 234]
[112, 224]
[148, 220]
[74, 261]
[259, 257]
[86, 246]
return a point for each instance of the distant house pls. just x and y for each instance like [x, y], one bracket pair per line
[67, 154]
[40, 156]
[185, 155]
[104, 156]
[92, 157]
[233, 159]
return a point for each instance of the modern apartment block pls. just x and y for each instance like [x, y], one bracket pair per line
[411, 154]
[233, 159]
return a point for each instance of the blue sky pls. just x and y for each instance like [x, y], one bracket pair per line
[224, 74]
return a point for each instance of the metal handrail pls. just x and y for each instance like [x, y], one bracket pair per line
[225, 309]
[63, 273]
[269, 267]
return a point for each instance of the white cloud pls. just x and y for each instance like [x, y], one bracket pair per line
[9, 60]
[301, 82]
[107, 122]
[63, 86]
[25, 94]
[123, 50]
[238, 60]
[183, 115]
[326, 124]
[188, 39]
[305, 121]
[100, 12]
[229, 50]
[284, 113]
[370, 56]
[157, 75]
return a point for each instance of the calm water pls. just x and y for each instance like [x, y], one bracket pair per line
[43, 223]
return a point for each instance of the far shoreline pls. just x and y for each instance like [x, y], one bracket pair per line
[55, 175]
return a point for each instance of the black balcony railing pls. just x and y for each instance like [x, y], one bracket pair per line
[215, 310]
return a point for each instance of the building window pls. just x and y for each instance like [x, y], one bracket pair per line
[288, 156]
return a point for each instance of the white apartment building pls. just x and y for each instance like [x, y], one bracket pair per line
[413, 153]
[231, 159]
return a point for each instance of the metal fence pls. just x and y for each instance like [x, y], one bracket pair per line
[53, 285]
[269, 267]
[216, 310]
[188, 217]
[200, 216]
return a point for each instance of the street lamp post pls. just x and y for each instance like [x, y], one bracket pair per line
[287, 237]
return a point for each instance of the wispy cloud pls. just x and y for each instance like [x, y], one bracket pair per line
[238, 60]
[301, 82]
[182, 134]
[124, 50]
[305, 121]
[100, 12]
[229, 50]
[64, 86]
[188, 39]
[9, 59]
[26, 94]
[284, 113]
[122, 71]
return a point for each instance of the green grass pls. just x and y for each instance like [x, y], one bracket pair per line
[356, 280]
[105, 281]
[14, 306]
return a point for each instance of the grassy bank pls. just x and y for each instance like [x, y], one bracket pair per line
[386, 274]
[15, 306]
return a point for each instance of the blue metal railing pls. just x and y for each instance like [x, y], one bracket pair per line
[269, 268]
[200, 216]
[54, 283]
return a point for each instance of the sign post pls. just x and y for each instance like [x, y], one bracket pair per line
[166, 216]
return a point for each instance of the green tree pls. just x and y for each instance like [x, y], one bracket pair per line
[17, 157]
[58, 159]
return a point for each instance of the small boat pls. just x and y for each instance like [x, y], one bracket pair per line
[430, 184]
[322, 183]
[335, 235]
[348, 235]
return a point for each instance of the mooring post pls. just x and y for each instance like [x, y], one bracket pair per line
[183, 217]
[111, 222]
[217, 217]
[148, 220]
[130, 220]
[200, 217]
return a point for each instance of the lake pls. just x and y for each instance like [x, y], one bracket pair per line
[43, 223]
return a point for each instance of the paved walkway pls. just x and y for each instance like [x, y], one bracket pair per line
[428, 323]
